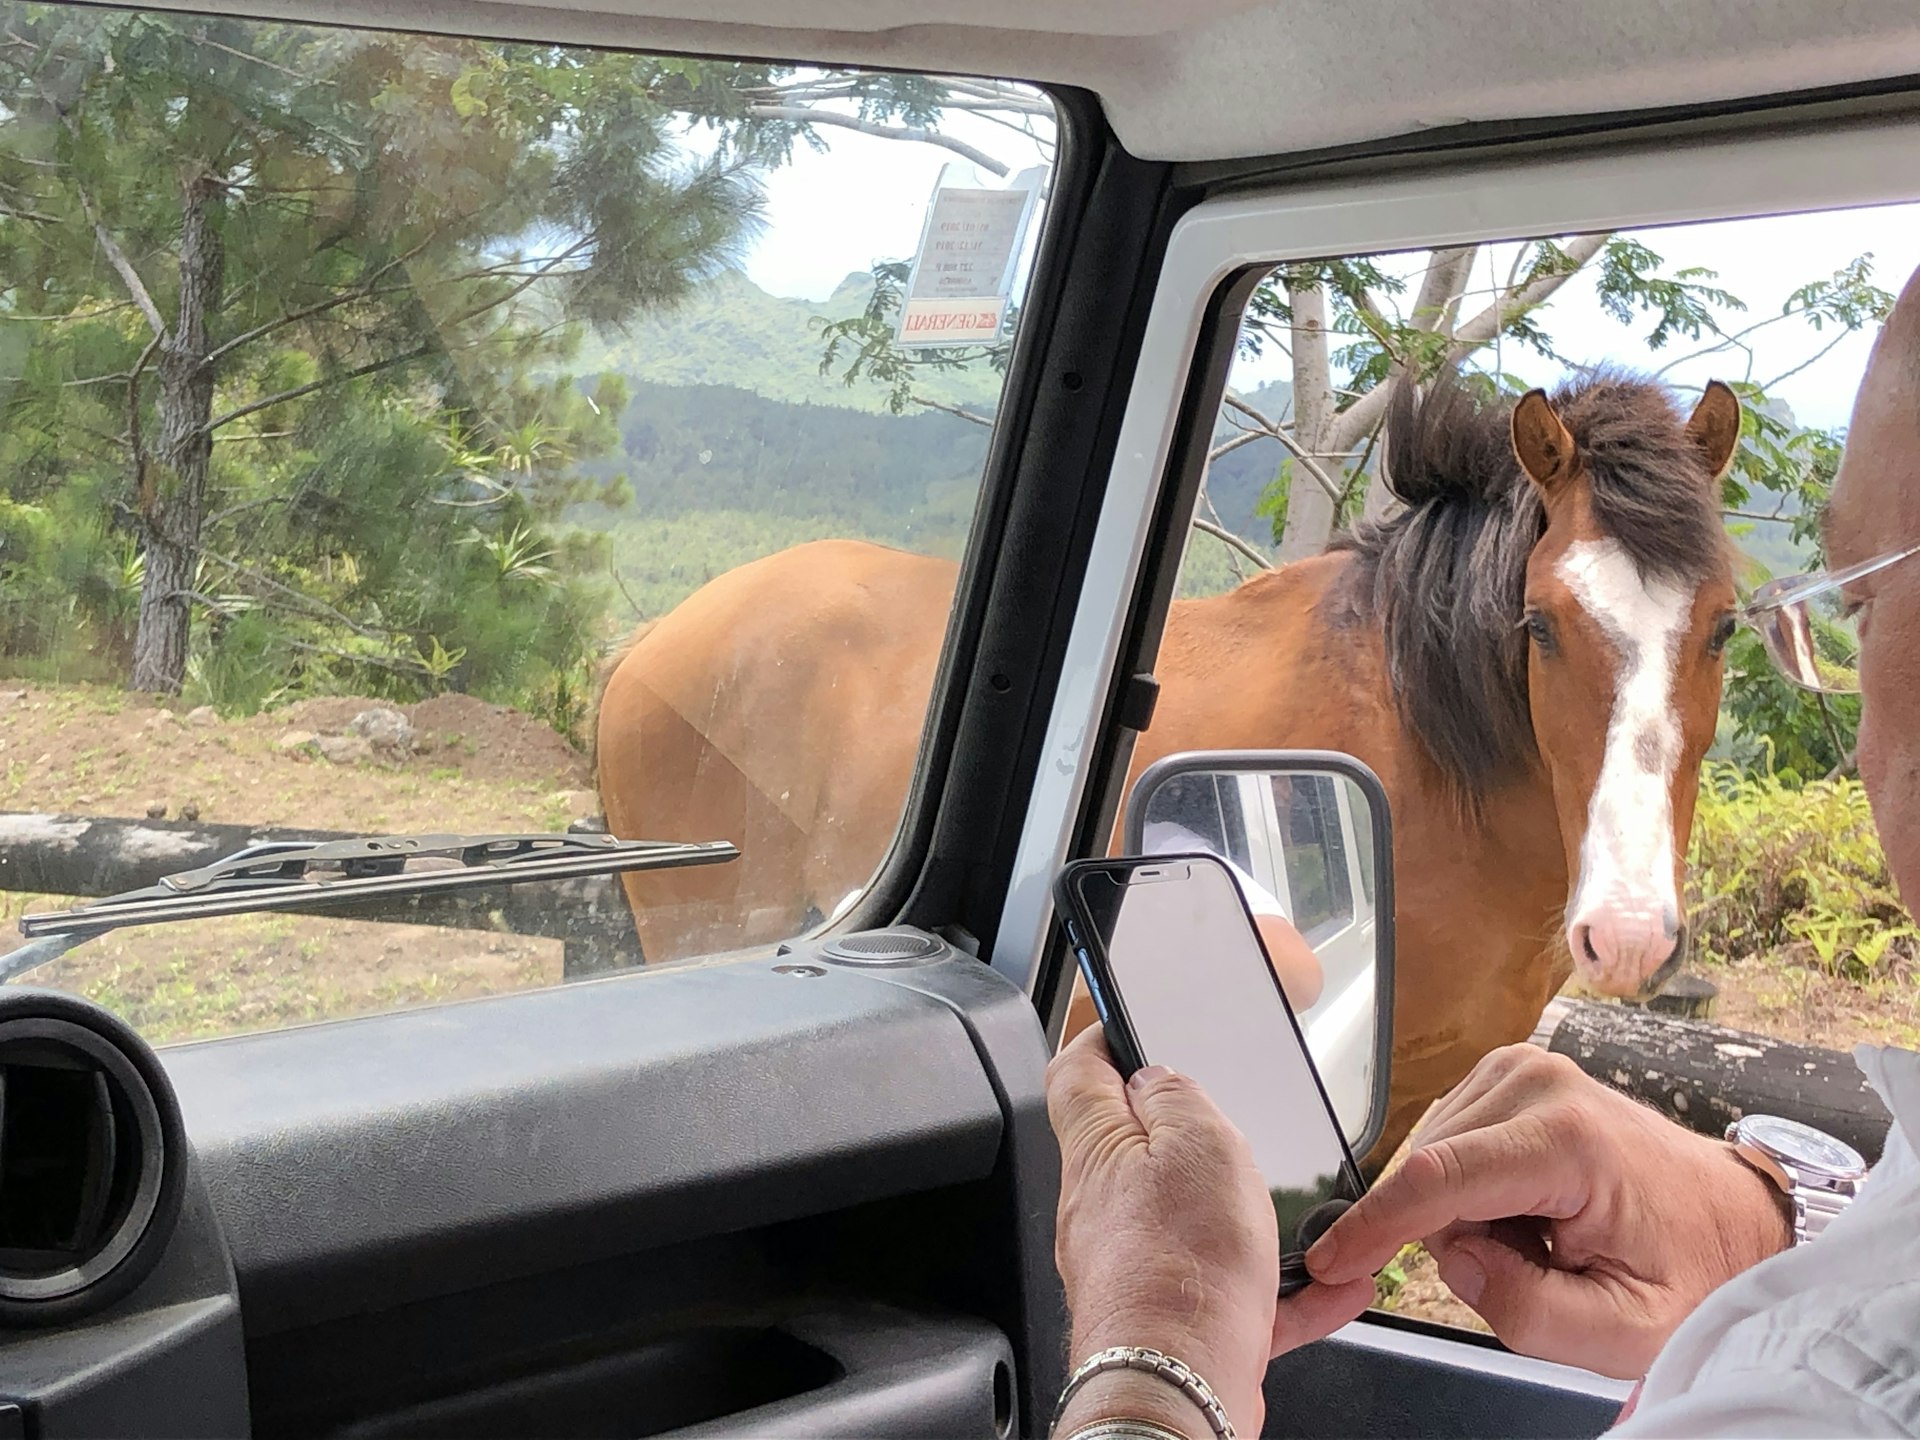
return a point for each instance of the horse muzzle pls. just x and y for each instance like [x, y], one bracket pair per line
[1626, 953]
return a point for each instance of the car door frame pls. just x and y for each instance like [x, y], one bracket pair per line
[1218, 251]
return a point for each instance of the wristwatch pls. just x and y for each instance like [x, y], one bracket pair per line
[1818, 1174]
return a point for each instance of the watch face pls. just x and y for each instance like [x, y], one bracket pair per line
[1802, 1145]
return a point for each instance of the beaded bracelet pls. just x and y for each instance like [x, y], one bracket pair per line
[1125, 1430]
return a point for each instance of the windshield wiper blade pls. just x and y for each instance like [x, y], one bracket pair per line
[281, 875]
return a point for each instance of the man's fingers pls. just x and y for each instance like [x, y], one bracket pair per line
[1534, 1309]
[1507, 1169]
[1484, 1083]
[1316, 1312]
[1162, 1097]
[1084, 1090]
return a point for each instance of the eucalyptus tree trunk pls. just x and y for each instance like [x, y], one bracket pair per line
[172, 483]
[1310, 510]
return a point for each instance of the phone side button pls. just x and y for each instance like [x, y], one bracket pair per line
[1093, 989]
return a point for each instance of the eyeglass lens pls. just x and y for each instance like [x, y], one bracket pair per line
[1814, 641]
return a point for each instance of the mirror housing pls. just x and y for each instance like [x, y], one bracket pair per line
[1334, 797]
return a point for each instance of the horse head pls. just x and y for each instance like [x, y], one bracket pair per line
[1628, 607]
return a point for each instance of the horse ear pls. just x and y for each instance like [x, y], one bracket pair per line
[1714, 427]
[1540, 442]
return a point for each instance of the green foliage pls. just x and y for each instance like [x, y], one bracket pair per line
[863, 346]
[1628, 284]
[1392, 1278]
[1776, 728]
[413, 233]
[1272, 504]
[1778, 866]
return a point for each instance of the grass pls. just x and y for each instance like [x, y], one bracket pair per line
[1799, 872]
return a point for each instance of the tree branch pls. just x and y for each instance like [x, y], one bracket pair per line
[244, 506]
[1227, 447]
[142, 482]
[545, 269]
[613, 574]
[952, 410]
[312, 385]
[315, 607]
[1335, 490]
[1213, 515]
[1811, 361]
[117, 258]
[801, 115]
[346, 297]
[1353, 424]
[1227, 537]
[1442, 287]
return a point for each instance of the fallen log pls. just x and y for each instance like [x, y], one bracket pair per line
[92, 856]
[1706, 1076]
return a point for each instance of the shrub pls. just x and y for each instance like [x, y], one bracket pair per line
[1800, 868]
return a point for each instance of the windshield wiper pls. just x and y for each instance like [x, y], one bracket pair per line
[300, 875]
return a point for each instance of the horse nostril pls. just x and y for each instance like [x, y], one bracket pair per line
[1583, 943]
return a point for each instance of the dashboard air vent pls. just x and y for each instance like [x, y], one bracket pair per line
[92, 1157]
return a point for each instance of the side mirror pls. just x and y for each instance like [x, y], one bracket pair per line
[1311, 828]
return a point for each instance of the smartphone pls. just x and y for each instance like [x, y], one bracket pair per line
[1179, 978]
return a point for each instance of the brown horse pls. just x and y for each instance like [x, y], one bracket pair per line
[1527, 654]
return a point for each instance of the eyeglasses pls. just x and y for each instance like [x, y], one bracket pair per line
[1809, 630]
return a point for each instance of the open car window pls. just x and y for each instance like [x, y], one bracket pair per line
[408, 435]
[1376, 531]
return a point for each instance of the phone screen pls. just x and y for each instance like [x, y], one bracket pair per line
[1199, 995]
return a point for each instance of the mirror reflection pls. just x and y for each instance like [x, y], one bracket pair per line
[1301, 844]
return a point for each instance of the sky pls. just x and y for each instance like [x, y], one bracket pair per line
[863, 200]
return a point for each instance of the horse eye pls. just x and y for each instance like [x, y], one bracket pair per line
[1722, 633]
[1541, 629]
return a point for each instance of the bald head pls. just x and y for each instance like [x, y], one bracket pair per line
[1875, 511]
[1877, 492]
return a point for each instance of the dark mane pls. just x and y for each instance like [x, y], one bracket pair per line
[1445, 577]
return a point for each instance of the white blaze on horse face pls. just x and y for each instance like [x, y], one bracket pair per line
[1624, 921]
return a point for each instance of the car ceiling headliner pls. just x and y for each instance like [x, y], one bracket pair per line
[1220, 79]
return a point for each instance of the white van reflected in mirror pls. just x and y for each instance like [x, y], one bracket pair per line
[1309, 837]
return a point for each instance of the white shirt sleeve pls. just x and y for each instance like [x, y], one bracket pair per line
[1823, 1339]
[1163, 837]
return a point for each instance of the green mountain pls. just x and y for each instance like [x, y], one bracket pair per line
[719, 476]
[733, 333]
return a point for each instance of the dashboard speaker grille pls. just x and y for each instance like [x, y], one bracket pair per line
[884, 947]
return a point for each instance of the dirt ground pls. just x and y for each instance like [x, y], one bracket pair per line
[102, 752]
[473, 768]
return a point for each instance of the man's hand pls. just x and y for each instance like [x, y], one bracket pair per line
[1167, 1239]
[1581, 1225]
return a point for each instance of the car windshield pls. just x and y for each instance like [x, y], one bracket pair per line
[389, 424]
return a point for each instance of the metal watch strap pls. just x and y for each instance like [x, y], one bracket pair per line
[1814, 1208]
[1814, 1197]
[1175, 1372]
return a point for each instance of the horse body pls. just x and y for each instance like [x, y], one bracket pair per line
[779, 707]
[1528, 657]
[805, 764]
[1288, 661]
